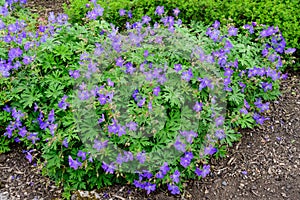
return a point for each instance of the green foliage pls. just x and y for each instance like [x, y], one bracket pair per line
[76, 10]
[37, 90]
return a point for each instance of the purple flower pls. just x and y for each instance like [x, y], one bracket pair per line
[164, 168]
[149, 187]
[159, 10]
[62, 104]
[122, 12]
[216, 24]
[175, 176]
[100, 145]
[290, 51]
[176, 11]
[14, 53]
[33, 137]
[156, 90]
[185, 162]
[228, 45]
[138, 184]
[259, 119]
[145, 20]
[204, 172]
[146, 174]
[82, 155]
[129, 14]
[141, 102]
[119, 62]
[122, 131]
[189, 135]
[22, 131]
[51, 117]
[102, 119]
[232, 31]
[266, 86]
[219, 121]
[83, 95]
[220, 134]
[159, 175]
[189, 155]
[141, 157]
[205, 82]
[110, 83]
[27, 60]
[7, 108]
[173, 189]
[28, 155]
[177, 67]
[74, 163]
[75, 74]
[132, 126]
[187, 75]
[52, 127]
[198, 106]
[2, 25]
[246, 104]
[129, 68]
[17, 140]
[17, 115]
[179, 145]
[108, 168]
[284, 76]
[150, 106]
[249, 27]
[65, 143]
[244, 111]
[210, 150]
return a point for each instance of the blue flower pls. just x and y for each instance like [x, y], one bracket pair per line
[156, 90]
[33, 137]
[74, 163]
[82, 155]
[122, 12]
[108, 168]
[179, 145]
[176, 11]
[65, 142]
[232, 31]
[210, 150]
[159, 10]
[204, 172]
[141, 157]
[175, 176]
[198, 106]
[100, 145]
[173, 189]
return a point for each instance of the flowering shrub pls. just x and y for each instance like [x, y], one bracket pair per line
[148, 105]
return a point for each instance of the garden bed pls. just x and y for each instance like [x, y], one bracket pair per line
[264, 165]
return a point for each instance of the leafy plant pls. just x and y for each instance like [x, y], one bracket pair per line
[146, 105]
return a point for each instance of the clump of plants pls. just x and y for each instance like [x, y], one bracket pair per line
[148, 105]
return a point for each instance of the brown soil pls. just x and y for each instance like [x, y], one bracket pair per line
[264, 165]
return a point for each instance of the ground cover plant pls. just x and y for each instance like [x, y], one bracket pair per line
[147, 105]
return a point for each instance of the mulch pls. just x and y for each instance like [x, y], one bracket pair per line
[265, 164]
